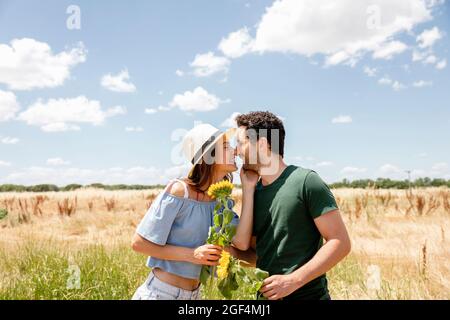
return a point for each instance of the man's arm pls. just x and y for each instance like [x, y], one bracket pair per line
[337, 246]
[248, 257]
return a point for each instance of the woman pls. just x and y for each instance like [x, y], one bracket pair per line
[175, 228]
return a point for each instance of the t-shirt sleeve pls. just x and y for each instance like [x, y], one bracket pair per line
[319, 198]
[157, 222]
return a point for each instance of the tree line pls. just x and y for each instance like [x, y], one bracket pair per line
[379, 183]
[383, 183]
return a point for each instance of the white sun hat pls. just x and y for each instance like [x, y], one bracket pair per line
[201, 139]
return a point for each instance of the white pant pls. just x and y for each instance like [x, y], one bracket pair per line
[155, 289]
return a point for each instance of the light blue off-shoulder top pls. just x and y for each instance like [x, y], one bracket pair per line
[180, 222]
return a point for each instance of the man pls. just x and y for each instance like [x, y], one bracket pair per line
[294, 210]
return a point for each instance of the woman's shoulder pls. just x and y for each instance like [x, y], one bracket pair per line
[177, 189]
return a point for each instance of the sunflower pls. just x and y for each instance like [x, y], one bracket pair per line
[220, 189]
[224, 263]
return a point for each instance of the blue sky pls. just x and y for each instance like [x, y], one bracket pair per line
[363, 90]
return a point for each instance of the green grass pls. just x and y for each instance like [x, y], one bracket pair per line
[43, 271]
[33, 272]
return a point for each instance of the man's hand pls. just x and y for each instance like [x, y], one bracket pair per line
[279, 286]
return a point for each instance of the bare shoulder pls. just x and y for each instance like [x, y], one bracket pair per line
[176, 189]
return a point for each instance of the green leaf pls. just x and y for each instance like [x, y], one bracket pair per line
[228, 285]
[261, 274]
[259, 296]
[228, 216]
[211, 235]
[241, 272]
[205, 274]
[258, 285]
[218, 206]
[218, 219]
[233, 282]
[221, 242]
[231, 231]
[224, 288]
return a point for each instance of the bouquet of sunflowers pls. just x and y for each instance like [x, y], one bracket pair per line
[221, 233]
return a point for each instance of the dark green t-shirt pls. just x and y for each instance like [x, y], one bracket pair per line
[286, 235]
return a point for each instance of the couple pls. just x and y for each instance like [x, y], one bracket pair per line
[286, 213]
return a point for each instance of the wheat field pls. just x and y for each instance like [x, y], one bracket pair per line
[76, 245]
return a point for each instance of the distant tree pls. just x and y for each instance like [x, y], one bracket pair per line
[43, 188]
[72, 187]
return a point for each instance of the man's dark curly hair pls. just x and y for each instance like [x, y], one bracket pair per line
[262, 122]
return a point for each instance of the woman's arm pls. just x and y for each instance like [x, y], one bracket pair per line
[204, 255]
[248, 257]
[245, 227]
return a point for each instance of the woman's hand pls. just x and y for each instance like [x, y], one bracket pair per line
[249, 179]
[208, 255]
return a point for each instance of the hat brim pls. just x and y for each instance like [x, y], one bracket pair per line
[230, 133]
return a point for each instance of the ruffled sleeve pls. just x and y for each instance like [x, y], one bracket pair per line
[157, 222]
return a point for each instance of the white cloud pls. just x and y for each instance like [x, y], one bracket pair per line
[27, 64]
[208, 64]
[57, 162]
[5, 164]
[441, 64]
[388, 50]
[150, 110]
[385, 81]
[371, 72]
[9, 140]
[418, 55]
[428, 37]
[8, 105]
[66, 175]
[390, 169]
[427, 57]
[59, 127]
[230, 122]
[431, 59]
[422, 84]
[114, 111]
[440, 168]
[119, 82]
[342, 119]
[341, 30]
[236, 44]
[397, 86]
[325, 164]
[58, 115]
[158, 109]
[134, 129]
[197, 100]
[179, 73]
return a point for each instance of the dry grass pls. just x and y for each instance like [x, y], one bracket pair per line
[403, 233]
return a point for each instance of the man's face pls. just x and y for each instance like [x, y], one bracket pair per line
[247, 150]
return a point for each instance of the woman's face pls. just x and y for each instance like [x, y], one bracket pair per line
[225, 156]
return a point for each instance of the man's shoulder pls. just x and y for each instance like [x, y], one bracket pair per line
[300, 173]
